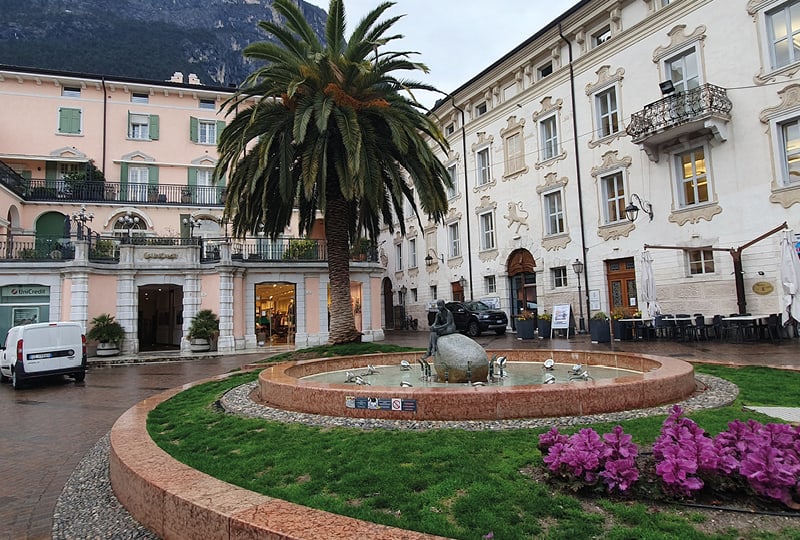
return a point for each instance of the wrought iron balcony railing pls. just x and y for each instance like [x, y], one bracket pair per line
[677, 109]
[39, 189]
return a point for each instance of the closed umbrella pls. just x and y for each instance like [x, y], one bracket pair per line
[790, 279]
[649, 287]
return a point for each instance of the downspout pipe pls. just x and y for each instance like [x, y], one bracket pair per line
[105, 122]
[466, 194]
[577, 173]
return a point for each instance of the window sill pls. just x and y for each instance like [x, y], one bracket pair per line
[613, 231]
[608, 139]
[550, 161]
[786, 195]
[556, 241]
[693, 214]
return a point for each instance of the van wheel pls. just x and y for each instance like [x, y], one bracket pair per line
[80, 376]
[3, 378]
[15, 383]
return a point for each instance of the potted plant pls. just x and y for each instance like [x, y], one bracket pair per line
[599, 328]
[619, 326]
[526, 324]
[545, 320]
[202, 330]
[108, 333]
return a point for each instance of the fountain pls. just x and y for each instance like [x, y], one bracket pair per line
[640, 381]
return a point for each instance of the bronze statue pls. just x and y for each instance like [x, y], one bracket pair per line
[442, 325]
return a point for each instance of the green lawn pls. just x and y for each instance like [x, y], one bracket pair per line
[454, 483]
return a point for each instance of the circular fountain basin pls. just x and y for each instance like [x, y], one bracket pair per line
[638, 381]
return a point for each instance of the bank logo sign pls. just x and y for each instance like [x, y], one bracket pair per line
[25, 291]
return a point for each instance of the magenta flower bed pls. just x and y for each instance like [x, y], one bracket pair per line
[764, 457]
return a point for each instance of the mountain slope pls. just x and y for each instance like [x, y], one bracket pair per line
[148, 39]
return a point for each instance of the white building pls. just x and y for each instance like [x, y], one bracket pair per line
[689, 109]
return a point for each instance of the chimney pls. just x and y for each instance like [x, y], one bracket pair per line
[194, 79]
[177, 77]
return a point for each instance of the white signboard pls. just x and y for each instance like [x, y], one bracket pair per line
[561, 316]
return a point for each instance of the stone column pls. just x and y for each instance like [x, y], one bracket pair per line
[226, 342]
[191, 305]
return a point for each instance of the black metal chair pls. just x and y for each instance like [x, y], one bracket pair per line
[773, 327]
[683, 327]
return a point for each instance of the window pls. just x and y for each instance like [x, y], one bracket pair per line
[205, 131]
[490, 284]
[692, 177]
[453, 240]
[70, 91]
[139, 98]
[138, 180]
[70, 121]
[481, 109]
[614, 194]
[559, 277]
[487, 230]
[143, 127]
[701, 261]
[205, 192]
[398, 252]
[790, 134]
[449, 129]
[409, 204]
[515, 153]
[434, 292]
[544, 70]
[549, 137]
[607, 113]
[452, 191]
[783, 28]
[414, 295]
[601, 36]
[683, 72]
[208, 104]
[554, 213]
[412, 253]
[484, 172]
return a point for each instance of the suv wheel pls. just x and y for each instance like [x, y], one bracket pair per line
[473, 329]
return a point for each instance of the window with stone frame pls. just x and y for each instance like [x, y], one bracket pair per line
[554, 213]
[548, 135]
[452, 171]
[692, 177]
[559, 277]
[607, 112]
[398, 253]
[484, 167]
[486, 224]
[790, 148]
[783, 34]
[613, 186]
[453, 240]
[490, 284]
[701, 261]
[412, 253]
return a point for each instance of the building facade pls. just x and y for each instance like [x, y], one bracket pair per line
[688, 110]
[108, 206]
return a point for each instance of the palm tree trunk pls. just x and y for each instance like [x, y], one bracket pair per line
[343, 328]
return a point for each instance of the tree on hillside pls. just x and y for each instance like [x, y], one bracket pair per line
[330, 130]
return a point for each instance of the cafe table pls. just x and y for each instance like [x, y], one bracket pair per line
[740, 324]
[636, 327]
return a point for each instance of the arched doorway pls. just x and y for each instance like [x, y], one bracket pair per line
[520, 267]
[388, 303]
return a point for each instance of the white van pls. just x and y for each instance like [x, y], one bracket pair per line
[42, 349]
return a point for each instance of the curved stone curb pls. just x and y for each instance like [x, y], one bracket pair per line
[177, 502]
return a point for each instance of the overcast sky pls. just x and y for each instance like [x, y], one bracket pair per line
[457, 39]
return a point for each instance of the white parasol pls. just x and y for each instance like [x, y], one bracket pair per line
[790, 279]
[648, 295]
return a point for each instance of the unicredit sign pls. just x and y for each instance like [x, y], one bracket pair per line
[26, 291]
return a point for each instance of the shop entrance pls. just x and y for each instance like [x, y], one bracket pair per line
[621, 280]
[275, 313]
[160, 317]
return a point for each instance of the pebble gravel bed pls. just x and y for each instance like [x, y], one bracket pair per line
[87, 507]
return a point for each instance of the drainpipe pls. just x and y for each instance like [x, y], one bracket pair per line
[466, 194]
[577, 172]
[105, 122]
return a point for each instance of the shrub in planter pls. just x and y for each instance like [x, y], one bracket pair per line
[203, 328]
[544, 323]
[526, 325]
[108, 333]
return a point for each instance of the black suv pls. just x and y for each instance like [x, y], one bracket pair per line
[475, 317]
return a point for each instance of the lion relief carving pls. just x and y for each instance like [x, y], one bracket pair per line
[517, 215]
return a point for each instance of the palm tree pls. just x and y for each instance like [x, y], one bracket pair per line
[330, 130]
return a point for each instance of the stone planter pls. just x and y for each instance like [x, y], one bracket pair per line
[199, 345]
[600, 331]
[107, 349]
[526, 328]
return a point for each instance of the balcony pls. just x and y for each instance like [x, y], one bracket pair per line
[701, 111]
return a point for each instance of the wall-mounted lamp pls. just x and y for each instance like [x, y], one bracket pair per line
[666, 87]
[462, 282]
[403, 290]
[632, 210]
[429, 260]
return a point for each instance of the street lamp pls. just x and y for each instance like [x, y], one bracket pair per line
[632, 210]
[192, 223]
[128, 221]
[577, 267]
[80, 218]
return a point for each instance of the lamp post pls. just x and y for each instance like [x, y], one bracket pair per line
[192, 223]
[128, 221]
[577, 267]
[80, 218]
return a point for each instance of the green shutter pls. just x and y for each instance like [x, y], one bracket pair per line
[50, 170]
[185, 232]
[193, 129]
[192, 177]
[153, 127]
[191, 182]
[123, 181]
[152, 175]
[130, 125]
[220, 126]
[69, 120]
